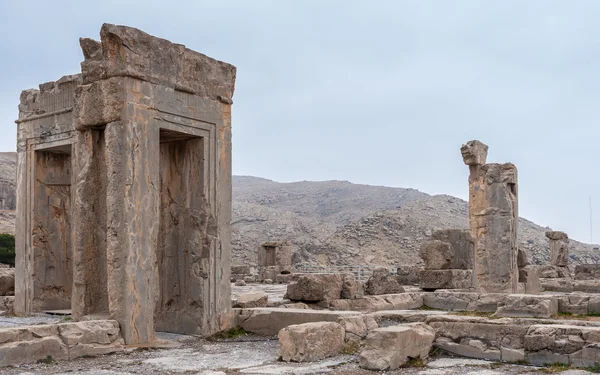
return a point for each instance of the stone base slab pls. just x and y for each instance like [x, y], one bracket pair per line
[29, 344]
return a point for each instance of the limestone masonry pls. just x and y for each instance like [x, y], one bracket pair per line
[493, 218]
[124, 188]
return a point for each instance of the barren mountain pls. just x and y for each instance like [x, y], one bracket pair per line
[337, 222]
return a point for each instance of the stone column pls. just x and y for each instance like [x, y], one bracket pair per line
[559, 248]
[493, 219]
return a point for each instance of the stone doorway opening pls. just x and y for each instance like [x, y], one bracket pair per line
[181, 209]
[51, 230]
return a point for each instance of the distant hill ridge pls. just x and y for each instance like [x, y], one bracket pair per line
[341, 223]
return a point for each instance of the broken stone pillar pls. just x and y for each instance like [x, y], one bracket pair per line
[274, 258]
[131, 162]
[559, 248]
[493, 218]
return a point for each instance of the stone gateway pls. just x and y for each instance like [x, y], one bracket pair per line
[124, 188]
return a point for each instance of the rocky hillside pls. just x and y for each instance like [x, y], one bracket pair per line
[340, 223]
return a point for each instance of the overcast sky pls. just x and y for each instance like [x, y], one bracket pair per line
[373, 92]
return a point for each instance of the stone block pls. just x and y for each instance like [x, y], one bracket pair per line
[445, 279]
[557, 285]
[469, 348]
[269, 321]
[17, 353]
[316, 287]
[240, 270]
[528, 275]
[251, 300]
[381, 282]
[351, 288]
[357, 327]
[574, 303]
[6, 304]
[310, 341]
[553, 272]
[436, 255]
[408, 275]
[586, 286]
[531, 306]
[285, 278]
[240, 283]
[7, 281]
[389, 348]
[461, 246]
[587, 272]
[559, 248]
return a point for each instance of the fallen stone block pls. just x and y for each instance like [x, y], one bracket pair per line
[553, 272]
[269, 321]
[569, 344]
[403, 316]
[241, 270]
[357, 327]
[524, 305]
[436, 255]
[7, 281]
[250, 300]
[469, 348]
[6, 304]
[315, 287]
[381, 282]
[445, 279]
[463, 301]
[240, 282]
[285, 278]
[389, 348]
[310, 341]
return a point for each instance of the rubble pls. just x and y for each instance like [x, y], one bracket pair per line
[381, 282]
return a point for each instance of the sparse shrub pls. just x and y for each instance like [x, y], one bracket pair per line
[351, 347]
[7, 249]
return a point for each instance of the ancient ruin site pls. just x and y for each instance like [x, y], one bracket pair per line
[138, 252]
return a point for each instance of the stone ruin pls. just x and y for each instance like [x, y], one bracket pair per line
[493, 219]
[274, 260]
[124, 188]
[124, 214]
[8, 199]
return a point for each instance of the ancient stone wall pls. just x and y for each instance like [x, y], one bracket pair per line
[274, 258]
[146, 197]
[493, 218]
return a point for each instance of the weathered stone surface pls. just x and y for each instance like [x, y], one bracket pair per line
[310, 341]
[528, 275]
[455, 301]
[401, 301]
[559, 248]
[575, 345]
[389, 348]
[557, 285]
[381, 282]
[28, 344]
[357, 327]
[250, 300]
[524, 305]
[461, 246]
[586, 286]
[351, 288]
[587, 272]
[445, 279]
[7, 281]
[493, 219]
[141, 142]
[274, 258]
[269, 321]
[408, 275]
[478, 337]
[240, 283]
[436, 255]
[316, 287]
[547, 271]
[6, 304]
[474, 153]
[240, 270]
[575, 303]
[522, 258]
